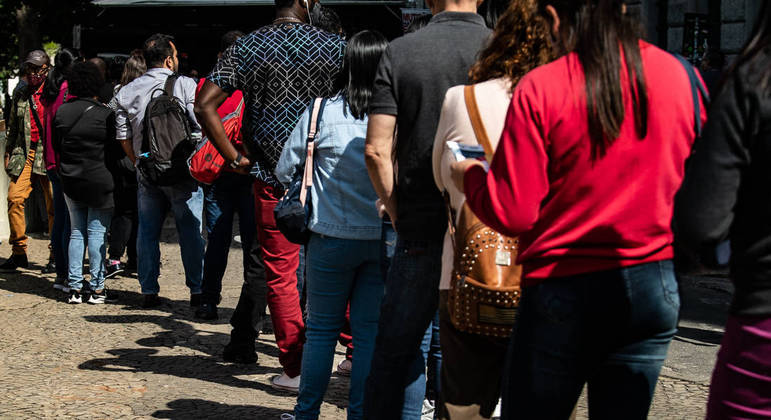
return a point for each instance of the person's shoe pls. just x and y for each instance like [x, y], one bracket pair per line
[14, 263]
[97, 298]
[102, 297]
[207, 311]
[287, 416]
[75, 297]
[195, 300]
[151, 301]
[112, 268]
[428, 409]
[61, 284]
[237, 239]
[284, 383]
[243, 354]
[344, 367]
[49, 268]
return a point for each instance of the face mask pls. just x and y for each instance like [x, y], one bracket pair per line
[36, 80]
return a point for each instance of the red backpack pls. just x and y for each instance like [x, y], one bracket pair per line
[206, 162]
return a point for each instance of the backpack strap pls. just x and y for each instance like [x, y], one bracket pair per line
[697, 88]
[476, 121]
[168, 88]
[313, 124]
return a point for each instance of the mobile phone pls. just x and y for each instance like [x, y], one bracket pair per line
[465, 151]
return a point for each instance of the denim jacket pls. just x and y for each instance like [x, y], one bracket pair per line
[342, 197]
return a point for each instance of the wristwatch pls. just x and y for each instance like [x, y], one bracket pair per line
[236, 162]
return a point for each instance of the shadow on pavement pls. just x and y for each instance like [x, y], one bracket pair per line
[176, 333]
[183, 366]
[699, 336]
[197, 408]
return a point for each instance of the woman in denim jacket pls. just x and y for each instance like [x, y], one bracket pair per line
[344, 252]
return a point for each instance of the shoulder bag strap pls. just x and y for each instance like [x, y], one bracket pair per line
[697, 88]
[476, 121]
[77, 120]
[313, 125]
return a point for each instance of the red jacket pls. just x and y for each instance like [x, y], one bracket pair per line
[574, 215]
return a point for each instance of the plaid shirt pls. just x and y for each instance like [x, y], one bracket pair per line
[280, 69]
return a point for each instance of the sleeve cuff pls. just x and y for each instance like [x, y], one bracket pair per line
[383, 109]
[473, 179]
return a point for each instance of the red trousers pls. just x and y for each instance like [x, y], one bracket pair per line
[281, 259]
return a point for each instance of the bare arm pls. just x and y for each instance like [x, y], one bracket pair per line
[209, 99]
[129, 150]
[377, 153]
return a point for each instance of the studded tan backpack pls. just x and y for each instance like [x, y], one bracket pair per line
[485, 284]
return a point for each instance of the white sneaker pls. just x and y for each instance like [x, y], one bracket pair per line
[428, 410]
[237, 239]
[75, 297]
[287, 416]
[497, 412]
[344, 367]
[97, 299]
[285, 383]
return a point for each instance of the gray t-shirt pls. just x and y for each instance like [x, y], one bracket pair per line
[415, 72]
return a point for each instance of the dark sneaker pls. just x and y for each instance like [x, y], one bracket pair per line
[97, 298]
[151, 301]
[195, 300]
[112, 268]
[14, 263]
[61, 284]
[50, 268]
[75, 297]
[244, 354]
[207, 311]
[102, 297]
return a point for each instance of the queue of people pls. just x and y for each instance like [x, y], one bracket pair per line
[522, 182]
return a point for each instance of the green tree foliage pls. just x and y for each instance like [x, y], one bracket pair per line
[29, 24]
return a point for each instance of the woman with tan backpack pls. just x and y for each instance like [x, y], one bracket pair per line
[474, 327]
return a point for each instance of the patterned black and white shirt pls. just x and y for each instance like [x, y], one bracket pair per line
[280, 69]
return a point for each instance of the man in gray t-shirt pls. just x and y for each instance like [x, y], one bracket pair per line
[415, 72]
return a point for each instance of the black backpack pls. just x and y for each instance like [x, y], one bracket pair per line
[168, 141]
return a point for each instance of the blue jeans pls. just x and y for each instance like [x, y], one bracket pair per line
[609, 329]
[339, 270]
[186, 203]
[231, 193]
[396, 384]
[88, 223]
[433, 356]
[60, 233]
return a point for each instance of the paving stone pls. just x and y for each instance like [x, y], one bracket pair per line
[118, 361]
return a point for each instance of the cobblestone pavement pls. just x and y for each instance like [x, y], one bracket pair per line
[120, 361]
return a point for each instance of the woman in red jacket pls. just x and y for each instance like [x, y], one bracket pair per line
[586, 171]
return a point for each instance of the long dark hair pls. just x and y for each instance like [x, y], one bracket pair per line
[757, 47]
[57, 76]
[599, 31]
[357, 77]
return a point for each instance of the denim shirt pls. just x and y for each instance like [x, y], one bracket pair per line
[342, 197]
